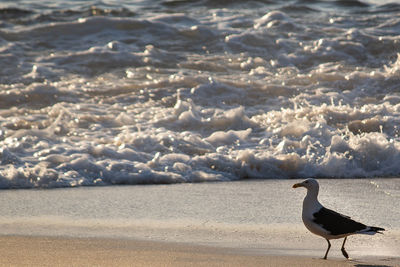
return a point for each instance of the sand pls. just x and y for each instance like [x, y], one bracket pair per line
[248, 223]
[61, 251]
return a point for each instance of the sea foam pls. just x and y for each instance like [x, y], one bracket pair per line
[198, 92]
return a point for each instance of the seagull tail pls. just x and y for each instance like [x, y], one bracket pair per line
[371, 230]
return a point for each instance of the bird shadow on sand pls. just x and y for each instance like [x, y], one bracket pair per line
[358, 263]
[371, 265]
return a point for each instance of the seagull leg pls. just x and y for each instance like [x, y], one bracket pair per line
[329, 246]
[343, 250]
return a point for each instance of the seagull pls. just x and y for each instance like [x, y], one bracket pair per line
[328, 223]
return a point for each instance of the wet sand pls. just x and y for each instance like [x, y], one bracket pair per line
[249, 223]
[60, 251]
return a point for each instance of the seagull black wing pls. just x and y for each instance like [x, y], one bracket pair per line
[336, 223]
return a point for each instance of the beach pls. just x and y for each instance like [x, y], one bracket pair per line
[53, 251]
[170, 132]
[247, 223]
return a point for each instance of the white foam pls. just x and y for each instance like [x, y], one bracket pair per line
[198, 95]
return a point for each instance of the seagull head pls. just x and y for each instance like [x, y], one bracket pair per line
[310, 184]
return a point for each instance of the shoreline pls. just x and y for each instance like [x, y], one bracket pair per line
[220, 224]
[68, 251]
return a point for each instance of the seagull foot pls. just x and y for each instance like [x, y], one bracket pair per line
[344, 252]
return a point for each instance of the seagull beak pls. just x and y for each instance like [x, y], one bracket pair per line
[298, 185]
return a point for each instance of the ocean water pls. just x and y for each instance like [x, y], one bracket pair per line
[154, 92]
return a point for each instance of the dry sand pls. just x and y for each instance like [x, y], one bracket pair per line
[60, 251]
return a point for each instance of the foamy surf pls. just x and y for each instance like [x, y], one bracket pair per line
[191, 92]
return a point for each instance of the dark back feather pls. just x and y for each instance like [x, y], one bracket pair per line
[336, 223]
